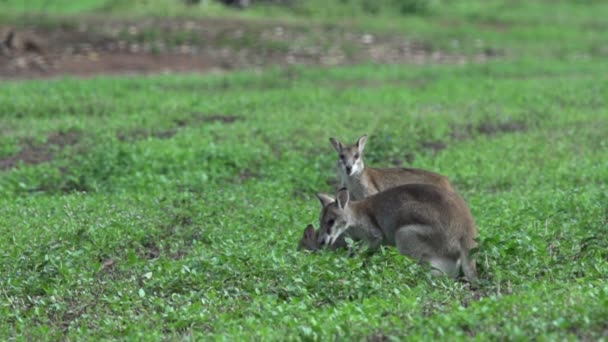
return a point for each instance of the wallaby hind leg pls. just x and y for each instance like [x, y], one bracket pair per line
[413, 241]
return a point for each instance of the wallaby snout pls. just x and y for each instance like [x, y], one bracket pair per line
[310, 241]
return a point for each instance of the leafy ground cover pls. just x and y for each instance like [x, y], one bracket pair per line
[170, 207]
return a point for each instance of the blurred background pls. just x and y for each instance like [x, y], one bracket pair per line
[42, 38]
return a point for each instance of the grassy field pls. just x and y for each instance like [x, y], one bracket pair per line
[170, 207]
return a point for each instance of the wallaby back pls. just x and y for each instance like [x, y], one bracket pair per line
[386, 178]
[424, 204]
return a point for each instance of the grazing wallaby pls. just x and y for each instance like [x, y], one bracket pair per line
[423, 221]
[310, 240]
[364, 181]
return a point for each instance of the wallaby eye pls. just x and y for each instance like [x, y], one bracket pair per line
[356, 155]
[330, 223]
[342, 156]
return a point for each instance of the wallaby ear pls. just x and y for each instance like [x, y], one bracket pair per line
[361, 143]
[309, 240]
[342, 197]
[336, 144]
[309, 232]
[325, 199]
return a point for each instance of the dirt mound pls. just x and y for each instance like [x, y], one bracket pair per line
[104, 46]
[32, 154]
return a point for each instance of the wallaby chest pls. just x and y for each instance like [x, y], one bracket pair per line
[360, 187]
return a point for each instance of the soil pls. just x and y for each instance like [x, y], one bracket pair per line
[32, 154]
[462, 133]
[92, 46]
[194, 118]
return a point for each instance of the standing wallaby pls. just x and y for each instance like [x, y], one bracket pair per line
[423, 221]
[364, 181]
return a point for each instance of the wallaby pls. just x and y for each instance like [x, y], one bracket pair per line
[362, 181]
[310, 240]
[423, 221]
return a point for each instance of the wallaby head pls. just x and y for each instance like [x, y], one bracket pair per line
[334, 218]
[350, 158]
[309, 239]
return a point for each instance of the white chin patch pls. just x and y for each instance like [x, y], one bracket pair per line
[356, 169]
[332, 239]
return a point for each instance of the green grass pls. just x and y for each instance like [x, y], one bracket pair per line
[17, 7]
[164, 223]
[202, 227]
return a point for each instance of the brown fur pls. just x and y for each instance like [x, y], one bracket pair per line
[310, 240]
[366, 181]
[407, 175]
[423, 221]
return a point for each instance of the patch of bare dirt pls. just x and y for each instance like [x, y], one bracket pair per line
[150, 250]
[493, 128]
[408, 159]
[461, 133]
[245, 175]
[490, 128]
[198, 117]
[192, 119]
[221, 118]
[109, 46]
[368, 83]
[140, 134]
[377, 337]
[435, 146]
[32, 154]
